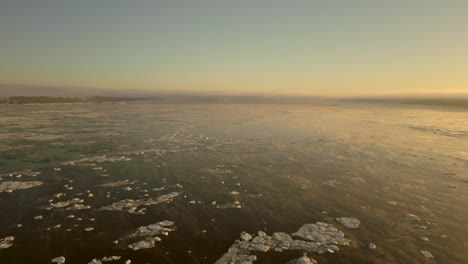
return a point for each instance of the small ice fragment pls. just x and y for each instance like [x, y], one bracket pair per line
[427, 254]
[71, 216]
[39, 217]
[303, 260]
[95, 261]
[349, 222]
[372, 246]
[58, 260]
[115, 242]
[245, 236]
[234, 193]
[54, 227]
[58, 195]
[391, 202]
[128, 261]
[412, 217]
[424, 239]
[331, 182]
[88, 229]
[6, 242]
[111, 258]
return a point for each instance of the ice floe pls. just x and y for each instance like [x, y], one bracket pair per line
[427, 254]
[19, 174]
[132, 205]
[321, 238]
[331, 182]
[411, 217]
[104, 259]
[10, 186]
[73, 204]
[150, 234]
[54, 227]
[117, 183]
[98, 159]
[111, 258]
[235, 204]
[303, 260]
[6, 242]
[349, 222]
[58, 260]
[216, 171]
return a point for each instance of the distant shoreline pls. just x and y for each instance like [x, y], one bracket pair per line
[453, 102]
[69, 100]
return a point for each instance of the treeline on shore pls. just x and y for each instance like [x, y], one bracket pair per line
[51, 100]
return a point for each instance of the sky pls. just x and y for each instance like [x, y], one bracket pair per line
[238, 46]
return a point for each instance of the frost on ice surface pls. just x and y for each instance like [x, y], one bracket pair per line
[6, 242]
[11, 186]
[322, 238]
[131, 205]
[150, 234]
[349, 222]
[58, 260]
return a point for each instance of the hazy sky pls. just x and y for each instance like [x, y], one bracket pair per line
[304, 46]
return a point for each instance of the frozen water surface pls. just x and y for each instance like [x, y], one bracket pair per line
[240, 183]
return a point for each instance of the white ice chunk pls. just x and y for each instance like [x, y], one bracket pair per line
[349, 222]
[6, 242]
[10, 186]
[58, 260]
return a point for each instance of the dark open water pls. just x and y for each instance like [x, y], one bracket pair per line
[290, 165]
